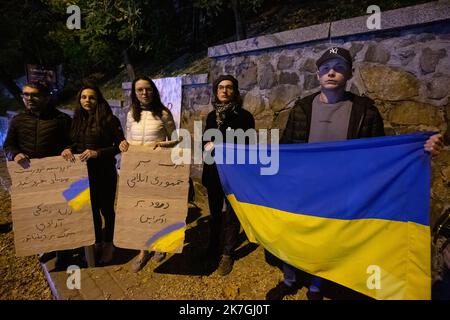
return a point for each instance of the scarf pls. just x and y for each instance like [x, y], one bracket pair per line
[223, 110]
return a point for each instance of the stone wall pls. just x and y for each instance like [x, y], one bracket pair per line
[404, 68]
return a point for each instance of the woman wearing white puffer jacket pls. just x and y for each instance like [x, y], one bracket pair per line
[149, 122]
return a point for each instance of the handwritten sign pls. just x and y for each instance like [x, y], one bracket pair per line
[51, 207]
[152, 201]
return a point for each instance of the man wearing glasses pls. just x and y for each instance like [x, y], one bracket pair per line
[41, 131]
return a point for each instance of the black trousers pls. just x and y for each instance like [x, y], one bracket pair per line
[103, 184]
[226, 225]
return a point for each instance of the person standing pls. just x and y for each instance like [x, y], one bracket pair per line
[149, 122]
[96, 134]
[41, 131]
[331, 114]
[228, 114]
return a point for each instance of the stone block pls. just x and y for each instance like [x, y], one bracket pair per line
[415, 113]
[247, 75]
[282, 95]
[285, 62]
[438, 87]
[288, 78]
[266, 77]
[376, 53]
[254, 102]
[309, 66]
[389, 83]
[430, 59]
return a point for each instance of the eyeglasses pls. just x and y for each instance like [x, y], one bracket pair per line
[141, 90]
[225, 88]
[31, 95]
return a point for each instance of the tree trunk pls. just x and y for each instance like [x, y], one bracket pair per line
[239, 21]
[195, 28]
[129, 66]
[8, 82]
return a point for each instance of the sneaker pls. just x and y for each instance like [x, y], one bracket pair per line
[280, 291]
[159, 256]
[314, 295]
[225, 265]
[139, 262]
[107, 253]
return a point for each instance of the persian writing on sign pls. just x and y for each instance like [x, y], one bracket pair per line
[152, 201]
[50, 206]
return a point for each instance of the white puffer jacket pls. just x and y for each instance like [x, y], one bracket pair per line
[150, 128]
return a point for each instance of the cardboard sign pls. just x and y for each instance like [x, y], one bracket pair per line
[152, 201]
[50, 204]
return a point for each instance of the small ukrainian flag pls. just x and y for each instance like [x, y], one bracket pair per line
[170, 239]
[78, 194]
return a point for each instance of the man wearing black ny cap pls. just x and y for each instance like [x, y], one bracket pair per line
[330, 115]
[333, 113]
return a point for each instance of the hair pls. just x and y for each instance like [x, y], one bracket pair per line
[103, 112]
[41, 87]
[156, 106]
[237, 99]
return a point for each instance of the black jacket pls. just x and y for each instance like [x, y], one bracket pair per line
[240, 119]
[38, 135]
[365, 120]
[105, 142]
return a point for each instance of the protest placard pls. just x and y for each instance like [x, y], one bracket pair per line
[152, 201]
[50, 206]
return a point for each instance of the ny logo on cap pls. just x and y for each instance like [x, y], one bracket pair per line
[334, 50]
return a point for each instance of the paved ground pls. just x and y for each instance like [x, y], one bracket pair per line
[189, 275]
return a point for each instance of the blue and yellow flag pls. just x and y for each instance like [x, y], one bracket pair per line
[78, 194]
[355, 212]
[169, 239]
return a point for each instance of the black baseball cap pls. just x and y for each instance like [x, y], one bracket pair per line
[335, 52]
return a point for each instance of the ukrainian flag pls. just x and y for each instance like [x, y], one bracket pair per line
[78, 194]
[355, 212]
